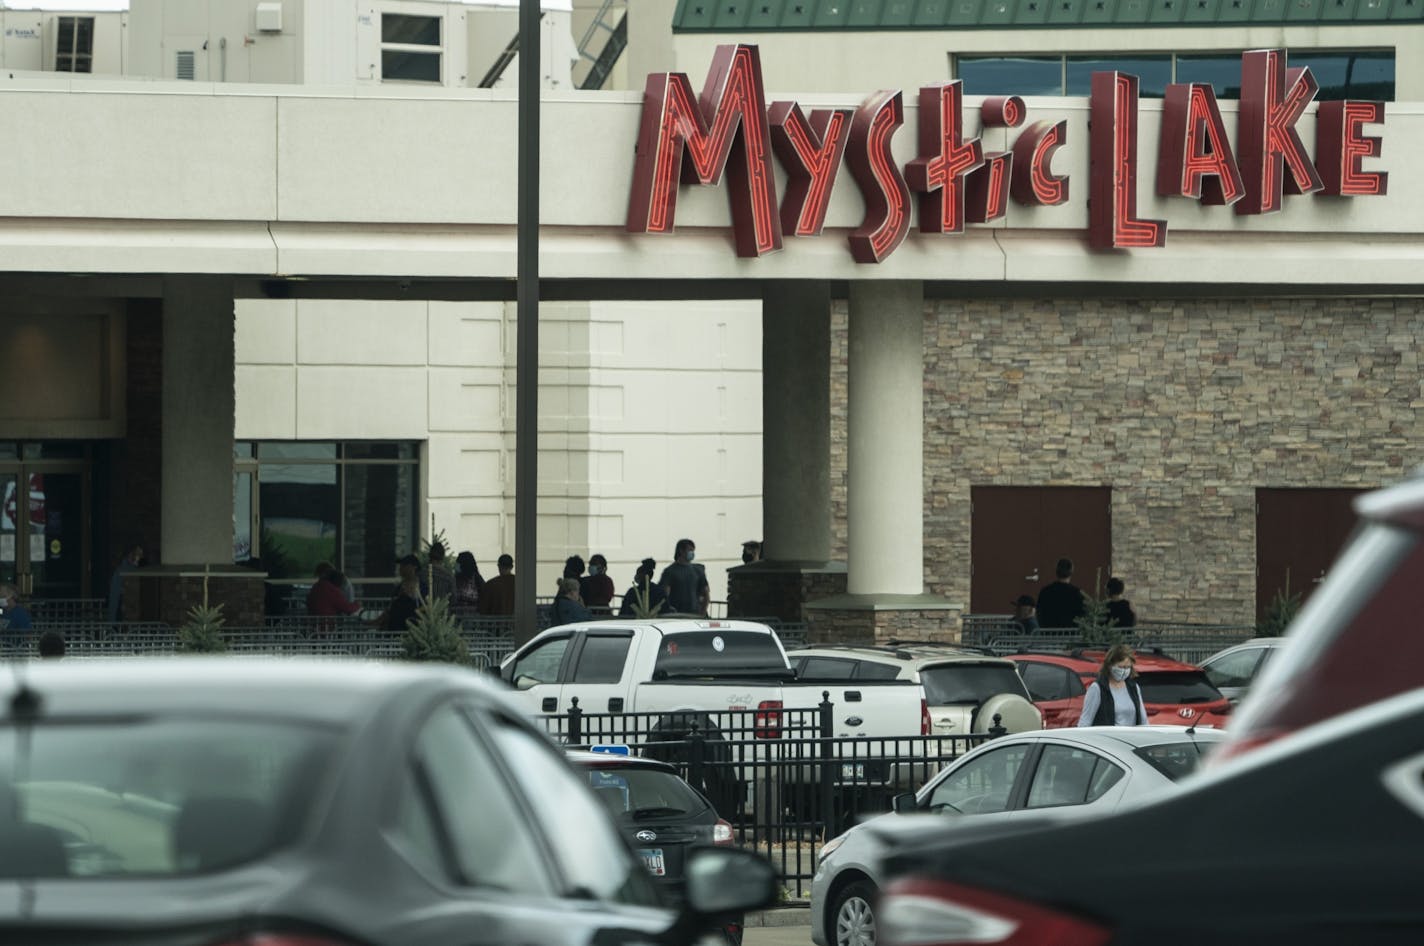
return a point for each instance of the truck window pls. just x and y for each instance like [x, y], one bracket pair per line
[715, 653]
[543, 662]
[969, 684]
[602, 658]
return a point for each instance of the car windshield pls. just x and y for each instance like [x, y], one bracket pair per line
[1177, 686]
[633, 793]
[720, 653]
[969, 683]
[1175, 759]
[153, 796]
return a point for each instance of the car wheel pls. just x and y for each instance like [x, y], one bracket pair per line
[853, 920]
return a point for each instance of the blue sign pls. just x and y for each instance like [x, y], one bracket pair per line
[611, 749]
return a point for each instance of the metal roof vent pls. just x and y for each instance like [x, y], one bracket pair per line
[185, 67]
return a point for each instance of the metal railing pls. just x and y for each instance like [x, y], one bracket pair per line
[1192, 643]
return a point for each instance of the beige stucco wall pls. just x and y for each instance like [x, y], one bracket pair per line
[1184, 407]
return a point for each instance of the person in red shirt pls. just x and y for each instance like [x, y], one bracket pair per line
[325, 599]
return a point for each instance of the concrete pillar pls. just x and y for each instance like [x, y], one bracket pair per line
[796, 421]
[885, 430]
[198, 416]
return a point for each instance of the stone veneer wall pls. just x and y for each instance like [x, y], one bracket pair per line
[858, 626]
[1183, 406]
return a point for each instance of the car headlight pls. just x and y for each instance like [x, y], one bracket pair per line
[829, 847]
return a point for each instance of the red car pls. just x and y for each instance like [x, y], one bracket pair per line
[1174, 693]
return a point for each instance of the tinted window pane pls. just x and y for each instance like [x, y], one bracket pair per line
[290, 450]
[542, 663]
[1063, 777]
[379, 523]
[1153, 73]
[981, 785]
[157, 797]
[1175, 759]
[869, 670]
[969, 683]
[626, 791]
[826, 668]
[1177, 686]
[414, 30]
[1234, 669]
[1044, 682]
[1222, 73]
[299, 504]
[380, 451]
[602, 659]
[710, 653]
[1357, 75]
[410, 67]
[999, 75]
[1105, 776]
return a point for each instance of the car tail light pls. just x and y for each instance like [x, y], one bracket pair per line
[925, 725]
[722, 832]
[933, 913]
[768, 720]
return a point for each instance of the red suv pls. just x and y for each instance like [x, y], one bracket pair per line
[1173, 693]
[1356, 641]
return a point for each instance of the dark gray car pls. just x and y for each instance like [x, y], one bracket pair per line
[226, 801]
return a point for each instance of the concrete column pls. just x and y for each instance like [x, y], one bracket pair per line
[198, 416]
[796, 421]
[885, 430]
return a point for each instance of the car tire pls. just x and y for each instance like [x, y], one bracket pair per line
[1015, 713]
[852, 920]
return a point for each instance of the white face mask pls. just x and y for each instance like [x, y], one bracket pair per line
[1121, 673]
[691, 555]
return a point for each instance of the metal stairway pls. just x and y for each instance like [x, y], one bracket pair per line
[611, 39]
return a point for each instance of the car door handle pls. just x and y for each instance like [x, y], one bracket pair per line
[852, 696]
[550, 704]
[615, 704]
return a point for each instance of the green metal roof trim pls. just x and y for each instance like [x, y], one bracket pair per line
[736, 16]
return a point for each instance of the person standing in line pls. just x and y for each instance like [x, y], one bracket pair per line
[16, 616]
[1114, 698]
[643, 588]
[468, 581]
[751, 551]
[1024, 619]
[1061, 602]
[596, 588]
[132, 558]
[1120, 611]
[497, 598]
[567, 607]
[685, 584]
[326, 597]
[51, 645]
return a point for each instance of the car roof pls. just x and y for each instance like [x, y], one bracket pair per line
[333, 691]
[919, 653]
[609, 760]
[1088, 661]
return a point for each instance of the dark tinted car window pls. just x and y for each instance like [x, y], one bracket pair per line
[1234, 669]
[1063, 777]
[1044, 681]
[969, 683]
[634, 793]
[156, 797]
[826, 668]
[1105, 775]
[869, 670]
[1175, 759]
[602, 659]
[1177, 686]
[720, 653]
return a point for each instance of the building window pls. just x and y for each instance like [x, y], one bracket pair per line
[1359, 74]
[297, 503]
[74, 44]
[410, 48]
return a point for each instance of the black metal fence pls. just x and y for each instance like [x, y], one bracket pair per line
[1192, 643]
[781, 777]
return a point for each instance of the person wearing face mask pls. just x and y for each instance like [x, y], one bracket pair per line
[684, 583]
[596, 588]
[1114, 698]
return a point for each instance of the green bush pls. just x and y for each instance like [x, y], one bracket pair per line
[1279, 613]
[434, 635]
[202, 632]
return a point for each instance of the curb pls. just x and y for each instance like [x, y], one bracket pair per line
[794, 914]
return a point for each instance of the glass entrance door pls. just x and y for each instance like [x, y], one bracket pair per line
[44, 527]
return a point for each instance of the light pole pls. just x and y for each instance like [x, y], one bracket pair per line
[526, 363]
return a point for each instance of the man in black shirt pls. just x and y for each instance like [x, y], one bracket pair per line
[685, 584]
[1061, 602]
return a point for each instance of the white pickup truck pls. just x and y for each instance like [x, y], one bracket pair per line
[650, 681]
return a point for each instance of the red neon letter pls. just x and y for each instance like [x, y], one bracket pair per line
[1112, 164]
[986, 188]
[1272, 101]
[1003, 112]
[810, 151]
[938, 173]
[728, 121]
[1340, 147]
[1033, 180]
[887, 199]
[1194, 157]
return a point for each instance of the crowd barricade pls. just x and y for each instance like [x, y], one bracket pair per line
[1191, 643]
[784, 780]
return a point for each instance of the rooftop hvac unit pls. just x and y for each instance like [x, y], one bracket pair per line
[269, 17]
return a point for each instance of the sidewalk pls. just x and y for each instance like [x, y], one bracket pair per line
[791, 913]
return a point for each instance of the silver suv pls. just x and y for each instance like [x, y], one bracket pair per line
[964, 689]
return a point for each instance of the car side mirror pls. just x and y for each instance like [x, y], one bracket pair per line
[904, 803]
[724, 880]
[524, 682]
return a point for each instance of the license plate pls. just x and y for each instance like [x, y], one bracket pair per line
[853, 770]
[653, 860]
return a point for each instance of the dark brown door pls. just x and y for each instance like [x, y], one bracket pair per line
[1018, 533]
[1298, 534]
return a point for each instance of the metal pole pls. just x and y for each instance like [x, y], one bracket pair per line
[526, 364]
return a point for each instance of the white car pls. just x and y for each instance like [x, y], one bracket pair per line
[1096, 769]
[1232, 670]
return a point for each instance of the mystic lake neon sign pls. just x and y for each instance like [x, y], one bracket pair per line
[729, 130]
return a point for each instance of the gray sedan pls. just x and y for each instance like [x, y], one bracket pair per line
[1094, 770]
[193, 802]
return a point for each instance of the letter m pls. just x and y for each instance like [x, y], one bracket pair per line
[692, 140]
